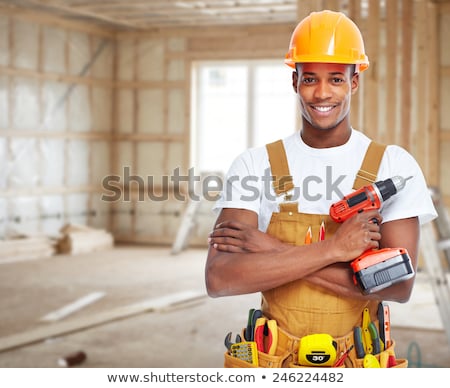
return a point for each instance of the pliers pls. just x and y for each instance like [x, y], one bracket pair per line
[266, 335]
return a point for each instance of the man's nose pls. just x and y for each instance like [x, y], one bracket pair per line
[323, 90]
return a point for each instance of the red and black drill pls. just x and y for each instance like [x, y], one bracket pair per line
[375, 269]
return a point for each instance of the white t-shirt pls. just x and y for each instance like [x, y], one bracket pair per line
[322, 177]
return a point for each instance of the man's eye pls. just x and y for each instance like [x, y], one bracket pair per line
[337, 80]
[308, 80]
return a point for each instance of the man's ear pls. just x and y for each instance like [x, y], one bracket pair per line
[355, 82]
[294, 80]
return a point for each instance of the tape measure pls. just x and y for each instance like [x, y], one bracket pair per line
[317, 350]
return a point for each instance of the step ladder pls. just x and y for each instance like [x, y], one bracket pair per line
[435, 250]
[194, 207]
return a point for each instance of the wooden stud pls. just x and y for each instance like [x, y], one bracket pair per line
[391, 72]
[420, 135]
[354, 13]
[371, 75]
[406, 55]
[433, 151]
[135, 129]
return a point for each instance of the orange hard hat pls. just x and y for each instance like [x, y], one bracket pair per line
[327, 37]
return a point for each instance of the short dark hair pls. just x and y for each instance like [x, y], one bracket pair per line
[352, 68]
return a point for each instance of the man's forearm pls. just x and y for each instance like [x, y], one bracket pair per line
[338, 279]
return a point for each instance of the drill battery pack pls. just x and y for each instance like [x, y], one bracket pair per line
[377, 269]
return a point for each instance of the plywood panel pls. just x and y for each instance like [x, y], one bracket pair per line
[25, 104]
[150, 60]
[151, 111]
[78, 166]
[53, 105]
[53, 50]
[125, 108]
[176, 112]
[26, 45]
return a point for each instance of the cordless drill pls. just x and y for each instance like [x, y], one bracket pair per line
[375, 269]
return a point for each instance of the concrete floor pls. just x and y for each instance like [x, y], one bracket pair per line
[185, 335]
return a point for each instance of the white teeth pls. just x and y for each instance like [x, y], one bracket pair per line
[323, 108]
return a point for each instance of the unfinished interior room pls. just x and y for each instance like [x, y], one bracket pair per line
[118, 123]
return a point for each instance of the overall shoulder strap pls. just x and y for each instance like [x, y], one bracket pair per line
[369, 168]
[282, 179]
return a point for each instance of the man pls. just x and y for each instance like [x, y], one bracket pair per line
[282, 241]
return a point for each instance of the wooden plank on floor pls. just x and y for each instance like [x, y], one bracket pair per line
[74, 325]
[73, 307]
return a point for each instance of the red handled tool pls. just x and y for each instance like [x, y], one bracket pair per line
[266, 335]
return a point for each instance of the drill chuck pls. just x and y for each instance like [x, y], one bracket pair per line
[391, 186]
[367, 198]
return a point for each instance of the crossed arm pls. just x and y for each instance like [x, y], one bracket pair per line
[241, 259]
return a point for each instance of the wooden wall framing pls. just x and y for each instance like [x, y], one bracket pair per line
[57, 83]
[129, 106]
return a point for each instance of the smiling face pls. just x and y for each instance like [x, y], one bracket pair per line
[324, 91]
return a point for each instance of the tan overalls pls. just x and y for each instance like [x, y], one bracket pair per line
[301, 308]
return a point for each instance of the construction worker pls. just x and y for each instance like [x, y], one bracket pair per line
[275, 236]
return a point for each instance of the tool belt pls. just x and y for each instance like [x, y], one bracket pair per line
[286, 354]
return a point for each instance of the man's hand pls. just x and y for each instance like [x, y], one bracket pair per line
[357, 235]
[234, 236]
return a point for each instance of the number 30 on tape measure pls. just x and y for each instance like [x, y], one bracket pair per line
[317, 350]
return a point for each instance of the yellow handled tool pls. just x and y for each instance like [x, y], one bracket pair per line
[266, 335]
[370, 361]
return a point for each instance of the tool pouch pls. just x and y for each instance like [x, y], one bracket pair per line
[264, 361]
[352, 362]
[280, 359]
